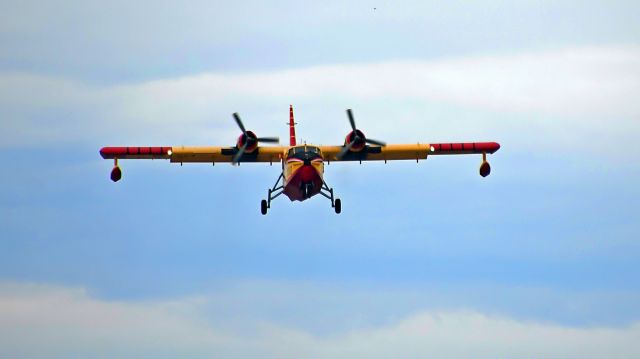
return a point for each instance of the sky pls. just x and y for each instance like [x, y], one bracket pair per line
[540, 259]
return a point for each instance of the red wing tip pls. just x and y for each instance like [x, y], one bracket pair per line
[109, 152]
[489, 147]
[115, 152]
[466, 147]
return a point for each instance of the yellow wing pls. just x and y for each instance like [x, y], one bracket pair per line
[409, 151]
[200, 154]
[213, 154]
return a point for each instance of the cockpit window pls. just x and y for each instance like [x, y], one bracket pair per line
[301, 150]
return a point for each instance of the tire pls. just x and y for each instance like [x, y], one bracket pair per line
[263, 207]
[338, 206]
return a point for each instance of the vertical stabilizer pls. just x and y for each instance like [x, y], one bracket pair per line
[292, 127]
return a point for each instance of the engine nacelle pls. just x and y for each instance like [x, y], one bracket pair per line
[485, 169]
[357, 139]
[250, 139]
[116, 173]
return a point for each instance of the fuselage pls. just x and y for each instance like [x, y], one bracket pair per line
[303, 168]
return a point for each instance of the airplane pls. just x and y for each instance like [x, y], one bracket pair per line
[302, 175]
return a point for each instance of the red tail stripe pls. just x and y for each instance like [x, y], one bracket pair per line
[292, 127]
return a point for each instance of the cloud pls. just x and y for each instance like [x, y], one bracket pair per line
[52, 321]
[539, 98]
[464, 334]
[591, 82]
[99, 41]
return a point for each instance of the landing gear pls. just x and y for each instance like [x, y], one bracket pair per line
[263, 207]
[328, 193]
[274, 192]
[278, 189]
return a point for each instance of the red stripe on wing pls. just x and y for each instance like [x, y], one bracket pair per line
[468, 147]
[133, 152]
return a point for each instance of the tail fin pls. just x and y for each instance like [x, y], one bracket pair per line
[292, 127]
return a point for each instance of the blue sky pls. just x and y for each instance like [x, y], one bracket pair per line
[177, 261]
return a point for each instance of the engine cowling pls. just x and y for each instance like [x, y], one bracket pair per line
[250, 139]
[357, 140]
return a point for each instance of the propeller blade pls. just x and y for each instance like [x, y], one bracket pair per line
[238, 155]
[356, 138]
[268, 139]
[239, 122]
[351, 120]
[375, 142]
[344, 150]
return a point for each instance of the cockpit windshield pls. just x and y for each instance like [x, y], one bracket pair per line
[302, 150]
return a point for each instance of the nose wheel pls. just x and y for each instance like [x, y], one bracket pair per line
[263, 207]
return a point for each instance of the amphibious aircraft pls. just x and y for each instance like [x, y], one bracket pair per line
[302, 175]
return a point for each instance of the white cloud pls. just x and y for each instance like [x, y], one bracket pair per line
[575, 95]
[40, 320]
[588, 82]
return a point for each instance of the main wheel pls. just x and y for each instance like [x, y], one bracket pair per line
[338, 206]
[263, 207]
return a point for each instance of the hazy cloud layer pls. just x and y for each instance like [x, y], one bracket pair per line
[575, 95]
[38, 320]
[121, 41]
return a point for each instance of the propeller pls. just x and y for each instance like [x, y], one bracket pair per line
[249, 139]
[358, 137]
[344, 150]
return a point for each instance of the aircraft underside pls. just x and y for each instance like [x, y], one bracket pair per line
[304, 183]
